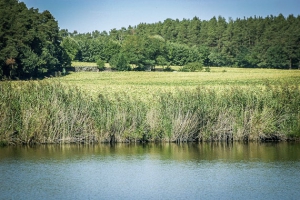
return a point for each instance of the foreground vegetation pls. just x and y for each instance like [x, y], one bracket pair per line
[130, 107]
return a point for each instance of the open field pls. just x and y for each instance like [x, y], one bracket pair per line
[225, 104]
[150, 82]
[217, 76]
[86, 64]
[83, 64]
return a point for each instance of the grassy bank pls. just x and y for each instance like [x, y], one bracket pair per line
[59, 111]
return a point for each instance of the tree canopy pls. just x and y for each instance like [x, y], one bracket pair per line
[29, 41]
[270, 42]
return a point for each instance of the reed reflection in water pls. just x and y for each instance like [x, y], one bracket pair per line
[151, 171]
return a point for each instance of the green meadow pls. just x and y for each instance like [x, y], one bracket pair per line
[225, 104]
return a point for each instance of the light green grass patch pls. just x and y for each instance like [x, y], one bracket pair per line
[146, 84]
[87, 64]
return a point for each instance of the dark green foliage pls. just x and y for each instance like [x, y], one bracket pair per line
[31, 39]
[160, 60]
[143, 51]
[119, 62]
[178, 54]
[36, 45]
[134, 49]
[100, 64]
[71, 47]
[217, 59]
[191, 67]
[271, 42]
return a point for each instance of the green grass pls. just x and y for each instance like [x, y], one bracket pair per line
[83, 64]
[232, 76]
[148, 83]
[86, 64]
[239, 104]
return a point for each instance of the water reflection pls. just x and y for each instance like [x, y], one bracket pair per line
[151, 171]
[266, 152]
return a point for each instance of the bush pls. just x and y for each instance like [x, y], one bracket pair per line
[119, 62]
[183, 69]
[168, 69]
[101, 64]
[207, 69]
[191, 67]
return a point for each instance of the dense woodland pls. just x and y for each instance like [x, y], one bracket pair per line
[271, 42]
[31, 43]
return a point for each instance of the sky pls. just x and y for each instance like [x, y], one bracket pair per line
[103, 15]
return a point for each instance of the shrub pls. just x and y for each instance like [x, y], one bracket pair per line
[119, 62]
[207, 69]
[168, 69]
[191, 67]
[100, 64]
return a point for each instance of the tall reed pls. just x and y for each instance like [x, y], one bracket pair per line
[51, 112]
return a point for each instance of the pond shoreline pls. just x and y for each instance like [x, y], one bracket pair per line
[82, 141]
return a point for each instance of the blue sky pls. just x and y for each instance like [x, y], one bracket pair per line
[89, 15]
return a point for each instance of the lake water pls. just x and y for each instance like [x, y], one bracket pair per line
[151, 171]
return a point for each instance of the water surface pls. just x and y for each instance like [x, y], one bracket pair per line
[151, 171]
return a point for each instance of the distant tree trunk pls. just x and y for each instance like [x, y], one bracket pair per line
[299, 65]
[290, 67]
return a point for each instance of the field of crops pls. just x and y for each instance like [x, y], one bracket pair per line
[148, 83]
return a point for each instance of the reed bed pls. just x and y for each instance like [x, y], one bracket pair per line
[51, 111]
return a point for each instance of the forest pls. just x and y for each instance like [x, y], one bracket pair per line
[32, 44]
[254, 42]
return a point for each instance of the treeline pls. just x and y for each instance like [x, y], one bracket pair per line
[29, 42]
[270, 42]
